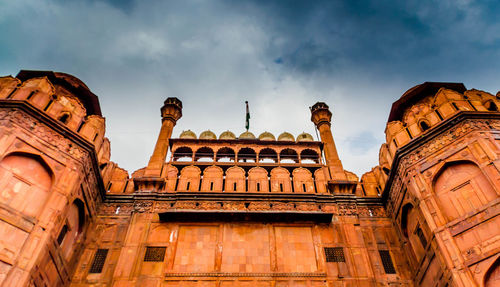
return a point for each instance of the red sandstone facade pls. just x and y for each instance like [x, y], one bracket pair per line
[246, 210]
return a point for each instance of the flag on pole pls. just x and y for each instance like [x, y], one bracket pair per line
[247, 124]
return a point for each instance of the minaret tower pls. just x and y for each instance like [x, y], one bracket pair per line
[321, 117]
[170, 113]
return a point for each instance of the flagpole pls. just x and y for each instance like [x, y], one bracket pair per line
[247, 120]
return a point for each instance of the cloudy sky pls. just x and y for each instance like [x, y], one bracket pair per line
[281, 56]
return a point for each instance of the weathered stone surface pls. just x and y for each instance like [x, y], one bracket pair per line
[247, 211]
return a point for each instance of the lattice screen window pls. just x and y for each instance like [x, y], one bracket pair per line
[154, 254]
[334, 254]
[99, 259]
[387, 262]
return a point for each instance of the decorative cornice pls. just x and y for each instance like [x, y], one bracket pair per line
[15, 108]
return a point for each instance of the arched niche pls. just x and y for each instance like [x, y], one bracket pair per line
[25, 182]
[258, 180]
[461, 187]
[280, 180]
[492, 276]
[302, 180]
[212, 179]
[235, 179]
[72, 228]
[189, 180]
[412, 228]
[170, 173]
[225, 154]
[321, 180]
[183, 153]
[491, 106]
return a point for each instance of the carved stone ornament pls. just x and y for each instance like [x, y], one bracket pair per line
[143, 206]
[348, 209]
[431, 147]
[43, 132]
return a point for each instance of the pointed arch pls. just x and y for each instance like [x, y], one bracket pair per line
[212, 179]
[321, 180]
[461, 187]
[280, 180]
[189, 180]
[412, 227]
[492, 276]
[235, 179]
[25, 181]
[72, 228]
[258, 180]
[302, 180]
[171, 174]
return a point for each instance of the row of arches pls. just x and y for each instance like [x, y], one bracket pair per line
[227, 154]
[235, 179]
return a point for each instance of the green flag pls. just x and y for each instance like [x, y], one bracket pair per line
[247, 124]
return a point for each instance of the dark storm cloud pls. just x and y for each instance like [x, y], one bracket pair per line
[403, 38]
[281, 56]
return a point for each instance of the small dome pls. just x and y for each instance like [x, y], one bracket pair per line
[267, 136]
[227, 135]
[286, 137]
[305, 137]
[189, 134]
[247, 136]
[208, 135]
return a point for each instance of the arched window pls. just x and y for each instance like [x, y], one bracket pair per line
[492, 276]
[309, 156]
[183, 154]
[461, 187]
[25, 182]
[72, 228]
[225, 154]
[491, 106]
[424, 125]
[289, 156]
[412, 229]
[246, 155]
[268, 155]
[205, 154]
[64, 118]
